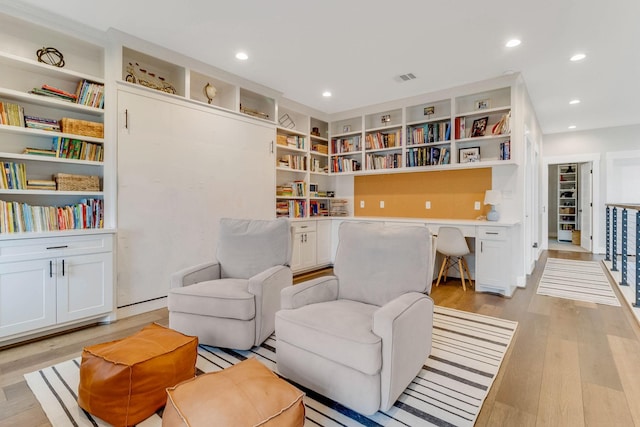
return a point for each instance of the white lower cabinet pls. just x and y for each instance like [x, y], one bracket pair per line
[494, 268]
[49, 282]
[303, 255]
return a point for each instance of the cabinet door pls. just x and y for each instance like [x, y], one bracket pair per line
[27, 296]
[296, 250]
[490, 264]
[308, 250]
[84, 286]
[323, 244]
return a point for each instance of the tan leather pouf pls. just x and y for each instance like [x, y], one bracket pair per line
[246, 394]
[125, 381]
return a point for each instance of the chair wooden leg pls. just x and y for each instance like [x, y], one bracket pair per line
[466, 267]
[464, 288]
[444, 261]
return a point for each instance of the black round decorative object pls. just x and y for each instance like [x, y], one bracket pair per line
[51, 56]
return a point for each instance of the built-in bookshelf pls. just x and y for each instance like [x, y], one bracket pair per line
[462, 131]
[567, 201]
[51, 123]
[304, 188]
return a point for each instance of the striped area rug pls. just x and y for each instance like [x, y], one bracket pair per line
[576, 280]
[449, 391]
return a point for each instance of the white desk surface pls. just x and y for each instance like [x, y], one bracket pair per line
[443, 221]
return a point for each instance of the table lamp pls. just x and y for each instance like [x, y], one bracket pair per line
[493, 198]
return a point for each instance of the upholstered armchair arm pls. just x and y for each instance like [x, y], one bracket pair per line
[266, 287]
[405, 325]
[195, 274]
[316, 290]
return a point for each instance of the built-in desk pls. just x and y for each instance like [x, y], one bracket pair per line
[492, 244]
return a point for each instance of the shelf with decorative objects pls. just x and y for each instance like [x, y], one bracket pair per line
[174, 79]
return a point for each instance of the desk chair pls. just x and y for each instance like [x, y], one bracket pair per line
[453, 245]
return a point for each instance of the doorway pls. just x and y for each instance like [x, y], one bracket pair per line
[570, 202]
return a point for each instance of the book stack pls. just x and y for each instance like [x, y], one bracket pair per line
[90, 94]
[318, 208]
[40, 184]
[11, 114]
[13, 176]
[39, 152]
[41, 123]
[56, 93]
[284, 190]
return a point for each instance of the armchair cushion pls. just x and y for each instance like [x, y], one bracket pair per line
[337, 330]
[228, 298]
[246, 248]
[366, 250]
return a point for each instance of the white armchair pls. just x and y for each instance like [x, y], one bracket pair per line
[231, 302]
[360, 337]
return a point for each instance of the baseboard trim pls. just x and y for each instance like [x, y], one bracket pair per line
[141, 307]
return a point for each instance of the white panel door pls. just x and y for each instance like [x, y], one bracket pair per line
[181, 168]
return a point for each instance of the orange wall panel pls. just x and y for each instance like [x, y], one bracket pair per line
[452, 194]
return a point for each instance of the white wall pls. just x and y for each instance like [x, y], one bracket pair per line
[598, 142]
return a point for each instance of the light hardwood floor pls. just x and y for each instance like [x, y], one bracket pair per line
[570, 363]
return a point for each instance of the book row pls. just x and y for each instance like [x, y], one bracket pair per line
[505, 150]
[429, 133]
[21, 217]
[379, 140]
[293, 161]
[344, 165]
[68, 148]
[389, 161]
[345, 145]
[13, 176]
[291, 208]
[428, 156]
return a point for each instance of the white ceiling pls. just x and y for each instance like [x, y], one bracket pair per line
[357, 48]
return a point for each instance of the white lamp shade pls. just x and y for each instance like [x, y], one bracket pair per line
[492, 197]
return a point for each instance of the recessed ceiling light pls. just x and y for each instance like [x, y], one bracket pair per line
[326, 94]
[578, 57]
[574, 101]
[513, 43]
[572, 127]
[242, 56]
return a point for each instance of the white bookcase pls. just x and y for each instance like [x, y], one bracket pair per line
[52, 278]
[567, 201]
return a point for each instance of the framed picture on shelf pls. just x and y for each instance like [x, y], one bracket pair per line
[346, 128]
[483, 104]
[469, 155]
[479, 127]
[429, 110]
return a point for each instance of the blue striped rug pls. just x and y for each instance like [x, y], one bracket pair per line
[467, 352]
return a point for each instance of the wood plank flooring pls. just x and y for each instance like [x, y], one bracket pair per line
[570, 363]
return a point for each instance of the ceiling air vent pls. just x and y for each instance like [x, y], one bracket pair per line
[407, 77]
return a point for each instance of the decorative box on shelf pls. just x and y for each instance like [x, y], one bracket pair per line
[82, 127]
[69, 182]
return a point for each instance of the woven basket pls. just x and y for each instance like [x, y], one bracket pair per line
[82, 127]
[68, 182]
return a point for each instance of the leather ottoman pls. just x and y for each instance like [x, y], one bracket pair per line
[124, 381]
[246, 394]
